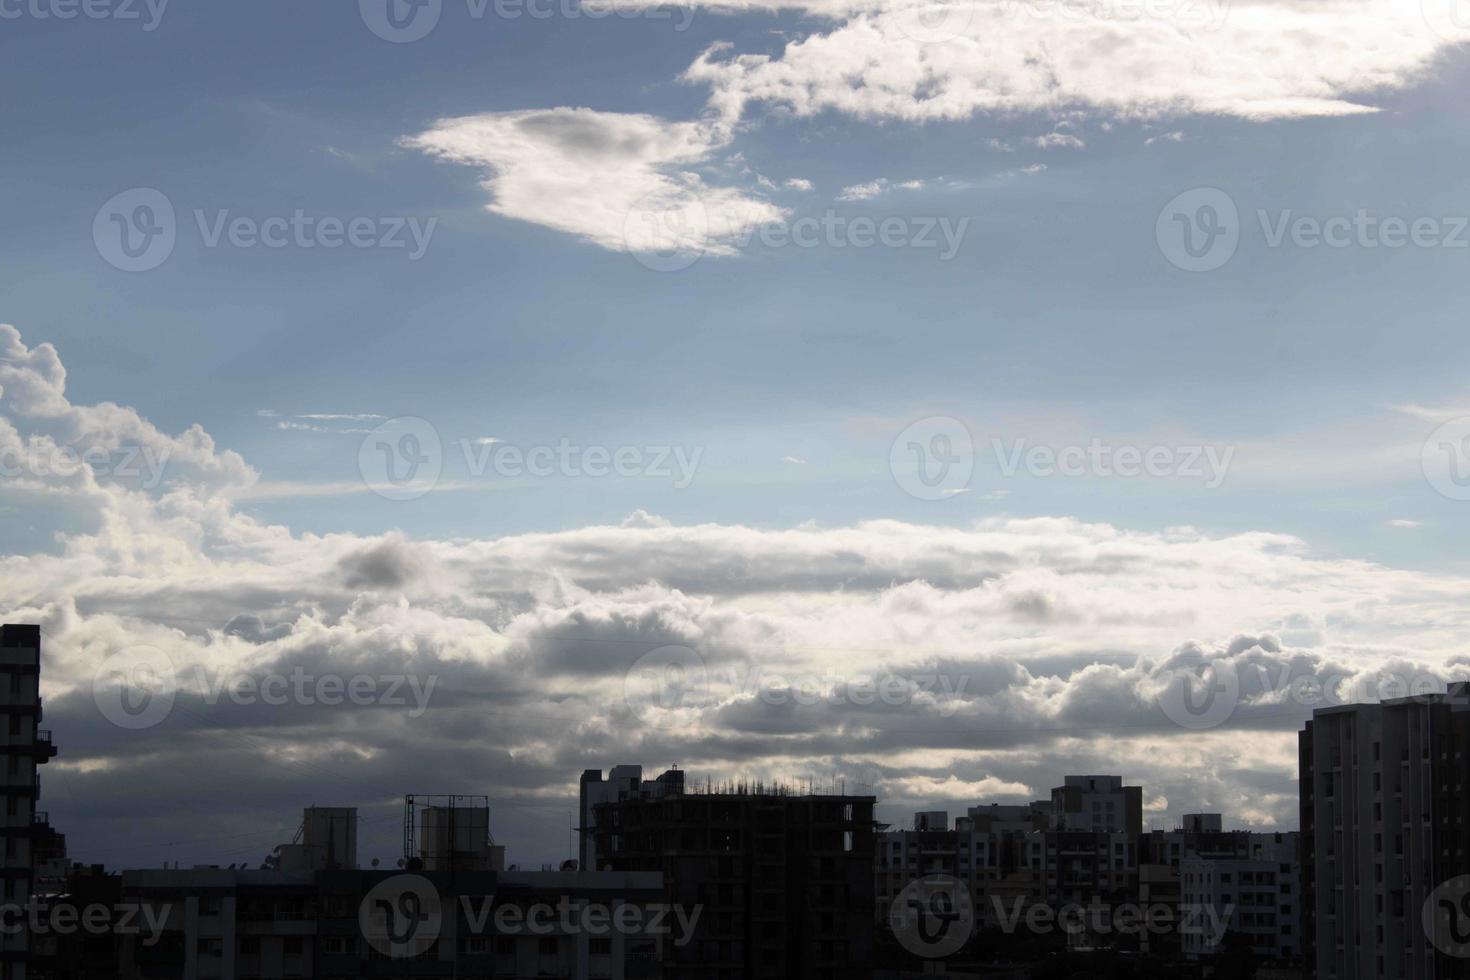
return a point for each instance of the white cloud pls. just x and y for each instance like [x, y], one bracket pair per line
[874, 188]
[1053, 637]
[1403, 523]
[623, 181]
[633, 182]
[862, 192]
[1274, 59]
[1057, 139]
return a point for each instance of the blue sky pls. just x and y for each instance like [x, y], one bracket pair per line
[1058, 321]
[1059, 306]
[1059, 309]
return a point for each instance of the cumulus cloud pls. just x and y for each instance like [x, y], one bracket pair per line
[623, 181]
[950, 59]
[936, 665]
[633, 182]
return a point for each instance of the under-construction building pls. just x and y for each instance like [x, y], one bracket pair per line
[785, 881]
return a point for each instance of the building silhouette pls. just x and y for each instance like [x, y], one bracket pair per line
[1385, 823]
[785, 881]
[26, 746]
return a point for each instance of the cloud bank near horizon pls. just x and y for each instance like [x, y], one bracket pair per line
[1015, 650]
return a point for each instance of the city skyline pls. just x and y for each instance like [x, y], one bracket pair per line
[938, 399]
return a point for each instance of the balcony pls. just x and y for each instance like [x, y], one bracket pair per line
[43, 748]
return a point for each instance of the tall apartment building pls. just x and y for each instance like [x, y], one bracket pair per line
[998, 851]
[1255, 896]
[25, 746]
[1099, 803]
[1385, 811]
[1010, 855]
[786, 882]
[1251, 881]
